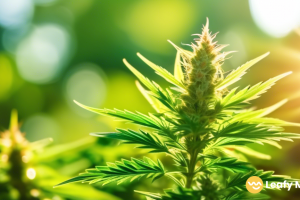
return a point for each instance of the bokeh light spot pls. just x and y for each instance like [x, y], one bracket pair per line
[35, 192]
[31, 173]
[43, 54]
[236, 44]
[41, 126]
[276, 17]
[14, 13]
[86, 85]
[4, 158]
[25, 159]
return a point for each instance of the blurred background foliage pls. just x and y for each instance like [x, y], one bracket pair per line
[54, 51]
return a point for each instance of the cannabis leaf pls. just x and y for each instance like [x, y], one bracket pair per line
[121, 171]
[227, 163]
[236, 75]
[146, 140]
[249, 93]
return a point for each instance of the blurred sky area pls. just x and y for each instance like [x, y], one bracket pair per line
[54, 51]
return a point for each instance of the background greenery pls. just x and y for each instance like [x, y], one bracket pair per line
[54, 51]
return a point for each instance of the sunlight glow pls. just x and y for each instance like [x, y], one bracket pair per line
[42, 55]
[276, 17]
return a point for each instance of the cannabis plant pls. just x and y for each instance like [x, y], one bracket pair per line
[28, 170]
[198, 122]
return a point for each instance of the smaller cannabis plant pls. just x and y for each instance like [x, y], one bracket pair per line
[28, 170]
[17, 173]
[199, 123]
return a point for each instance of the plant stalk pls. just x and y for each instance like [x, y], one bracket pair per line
[191, 169]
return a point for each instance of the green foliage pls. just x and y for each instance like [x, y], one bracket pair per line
[200, 123]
